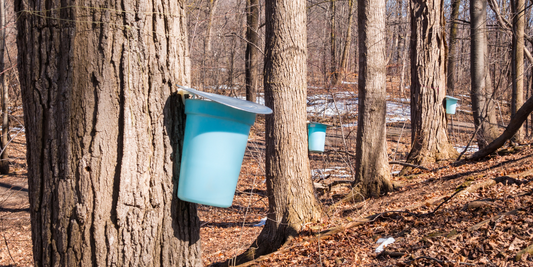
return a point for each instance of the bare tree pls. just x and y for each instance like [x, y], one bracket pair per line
[207, 55]
[517, 100]
[481, 86]
[371, 161]
[252, 52]
[456, 4]
[102, 128]
[333, 44]
[289, 187]
[428, 83]
[4, 163]
[347, 42]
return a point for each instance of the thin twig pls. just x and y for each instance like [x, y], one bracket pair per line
[8, 250]
[448, 199]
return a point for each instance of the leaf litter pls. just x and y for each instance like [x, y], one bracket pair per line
[484, 224]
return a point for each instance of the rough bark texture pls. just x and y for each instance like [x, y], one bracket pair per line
[518, 61]
[102, 129]
[252, 53]
[371, 161]
[456, 4]
[4, 163]
[483, 105]
[290, 190]
[428, 83]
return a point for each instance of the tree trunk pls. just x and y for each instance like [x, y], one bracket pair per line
[456, 4]
[481, 86]
[428, 84]
[4, 163]
[518, 61]
[333, 44]
[102, 132]
[371, 161]
[289, 187]
[346, 50]
[207, 60]
[252, 53]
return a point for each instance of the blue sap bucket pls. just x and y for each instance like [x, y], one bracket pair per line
[451, 104]
[317, 136]
[213, 149]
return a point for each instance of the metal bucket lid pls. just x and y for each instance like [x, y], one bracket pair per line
[235, 103]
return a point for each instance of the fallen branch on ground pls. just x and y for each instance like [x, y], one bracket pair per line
[516, 122]
[495, 218]
[409, 165]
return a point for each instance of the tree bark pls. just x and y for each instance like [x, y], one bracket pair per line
[346, 50]
[456, 4]
[481, 87]
[333, 43]
[289, 187]
[428, 84]
[252, 53]
[371, 161]
[518, 61]
[102, 132]
[207, 61]
[4, 163]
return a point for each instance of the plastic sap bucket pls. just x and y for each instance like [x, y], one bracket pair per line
[317, 136]
[213, 149]
[451, 104]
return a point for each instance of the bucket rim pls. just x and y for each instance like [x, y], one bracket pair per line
[232, 102]
[452, 98]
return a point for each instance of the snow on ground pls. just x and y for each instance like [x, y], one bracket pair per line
[345, 102]
[471, 148]
[337, 172]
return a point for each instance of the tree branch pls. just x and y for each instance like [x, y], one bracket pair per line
[516, 122]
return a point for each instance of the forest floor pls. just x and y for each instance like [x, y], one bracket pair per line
[477, 213]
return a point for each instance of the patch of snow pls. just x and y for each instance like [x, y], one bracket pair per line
[471, 148]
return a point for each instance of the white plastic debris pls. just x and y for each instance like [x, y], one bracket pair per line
[261, 223]
[384, 242]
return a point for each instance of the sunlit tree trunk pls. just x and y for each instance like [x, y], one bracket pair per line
[372, 169]
[429, 141]
[290, 191]
[483, 104]
[4, 163]
[518, 61]
[103, 132]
